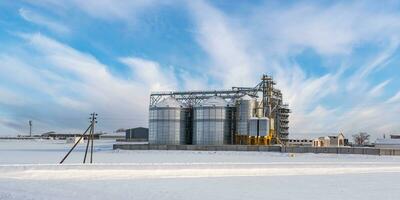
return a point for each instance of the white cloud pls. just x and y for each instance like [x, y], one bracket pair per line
[109, 10]
[240, 48]
[35, 18]
[378, 89]
[114, 9]
[357, 81]
[235, 43]
[231, 63]
[76, 84]
[8, 97]
[328, 29]
[394, 99]
[151, 75]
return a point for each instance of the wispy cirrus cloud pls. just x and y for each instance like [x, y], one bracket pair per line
[38, 19]
[231, 65]
[151, 74]
[115, 10]
[347, 82]
[377, 90]
[279, 34]
[76, 84]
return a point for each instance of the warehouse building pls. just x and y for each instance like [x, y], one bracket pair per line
[137, 134]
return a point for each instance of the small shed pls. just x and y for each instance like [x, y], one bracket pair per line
[137, 134]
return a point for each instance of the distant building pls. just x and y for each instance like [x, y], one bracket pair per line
[63, 136]
[137, 134]
[330, 141]
[112, 136]
[392, 143]
[299, 142]
[395, 136]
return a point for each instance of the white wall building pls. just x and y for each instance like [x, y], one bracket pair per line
[329, 141]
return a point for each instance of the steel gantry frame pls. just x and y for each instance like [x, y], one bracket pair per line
[191, 98]
[272, 104]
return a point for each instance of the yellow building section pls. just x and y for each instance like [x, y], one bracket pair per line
[270, 139]
[242, 139]
[254, 140]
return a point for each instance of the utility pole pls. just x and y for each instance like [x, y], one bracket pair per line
[90, 138]
[30, 128]
[93, 120]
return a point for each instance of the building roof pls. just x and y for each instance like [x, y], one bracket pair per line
[66, 134]
[169, 102]
[135, 128]
[395, 136]
[387, 141]
[246, 97]
[214, 101]
[122, 134]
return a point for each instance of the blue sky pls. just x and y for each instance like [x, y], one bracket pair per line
[337, 62]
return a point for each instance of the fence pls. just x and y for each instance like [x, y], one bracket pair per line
[330, 150]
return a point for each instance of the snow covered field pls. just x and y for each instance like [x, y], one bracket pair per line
[29, 170]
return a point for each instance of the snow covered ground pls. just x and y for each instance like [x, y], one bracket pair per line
[29, 170]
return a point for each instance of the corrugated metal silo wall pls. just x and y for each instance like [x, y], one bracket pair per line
[244, 110]
[167, 125]
[212, 125]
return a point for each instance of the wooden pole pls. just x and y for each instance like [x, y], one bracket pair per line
[76, 143]
[93, 123]
[87, 144]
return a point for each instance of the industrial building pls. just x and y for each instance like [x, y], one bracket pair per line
[242, 115]
[137, 134]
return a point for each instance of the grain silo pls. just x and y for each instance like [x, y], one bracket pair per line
[212, 122]
[258, 126]
[167, 122]
[258, 130]
[245, 109]
[205, 116]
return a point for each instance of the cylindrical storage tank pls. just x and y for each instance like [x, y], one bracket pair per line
[253, 126]
[212, 122]
[258, 126]
[245, 108]
[167, 122]
[263, 126]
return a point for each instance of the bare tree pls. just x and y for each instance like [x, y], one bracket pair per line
[361, 139]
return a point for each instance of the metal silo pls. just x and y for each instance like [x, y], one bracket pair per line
[253, 126]
[258, 126]
[167, 122]
[263, 126]
[245, 109]
[212, 122]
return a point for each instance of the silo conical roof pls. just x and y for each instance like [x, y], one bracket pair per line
[214, 101]
[246, 97]
[170, 102]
